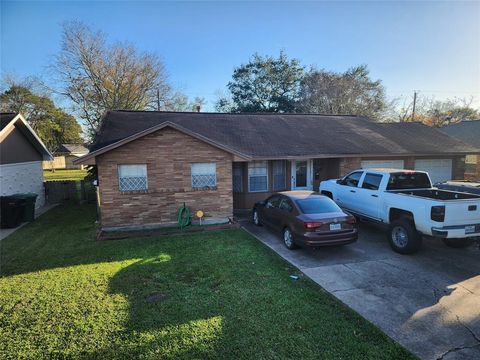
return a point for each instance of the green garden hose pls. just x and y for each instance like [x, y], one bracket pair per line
[183, 216]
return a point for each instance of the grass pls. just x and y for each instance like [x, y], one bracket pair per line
[64, 174]
[218, 295]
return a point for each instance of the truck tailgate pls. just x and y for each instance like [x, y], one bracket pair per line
[462, 212]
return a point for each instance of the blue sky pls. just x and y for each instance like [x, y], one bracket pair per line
[433, 47]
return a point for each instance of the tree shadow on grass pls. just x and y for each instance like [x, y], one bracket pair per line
[209, 295]
[234, 307]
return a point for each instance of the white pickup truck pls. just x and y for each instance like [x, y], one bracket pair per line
[406, 202]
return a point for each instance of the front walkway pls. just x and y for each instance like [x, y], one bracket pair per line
[40, 211]
[428, 302]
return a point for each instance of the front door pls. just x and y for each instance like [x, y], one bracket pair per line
[301, 175]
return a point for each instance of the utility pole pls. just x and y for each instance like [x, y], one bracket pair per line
[158, 99]
[414, 103]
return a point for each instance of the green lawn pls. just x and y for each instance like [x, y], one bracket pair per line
[218, 295]
[63, 174]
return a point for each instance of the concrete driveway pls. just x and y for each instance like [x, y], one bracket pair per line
[428, 302]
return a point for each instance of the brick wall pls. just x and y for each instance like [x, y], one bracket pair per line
[349, 164]
[458, 168]
[168, 154]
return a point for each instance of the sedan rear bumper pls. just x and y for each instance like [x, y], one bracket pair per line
[313, 239]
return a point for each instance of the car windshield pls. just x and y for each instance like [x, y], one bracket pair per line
[317, 205]
[408, 180]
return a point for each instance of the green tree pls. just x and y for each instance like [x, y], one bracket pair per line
[53, 125]
[351, 92]
[264, 84]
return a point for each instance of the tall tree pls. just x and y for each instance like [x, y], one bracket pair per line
[97, 76]
[351, 92]
[264, 84]
[52, 124]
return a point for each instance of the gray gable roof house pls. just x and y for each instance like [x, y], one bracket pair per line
[150, 163]
[72, 149]
[21, 156]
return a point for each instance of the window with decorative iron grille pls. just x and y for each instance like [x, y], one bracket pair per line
[204, 175]
[132, 178]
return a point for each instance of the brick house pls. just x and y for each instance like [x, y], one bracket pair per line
[151, 163]
[469, 133]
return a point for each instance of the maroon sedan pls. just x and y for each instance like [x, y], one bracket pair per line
[306, 218]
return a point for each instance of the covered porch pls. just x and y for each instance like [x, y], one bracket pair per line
[255, 180]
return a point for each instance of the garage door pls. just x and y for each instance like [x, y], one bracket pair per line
[386, 164]
[438, 169]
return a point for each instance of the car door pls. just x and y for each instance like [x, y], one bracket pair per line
[285, 214]
[369, 195]
[347, 190]
[270, 210]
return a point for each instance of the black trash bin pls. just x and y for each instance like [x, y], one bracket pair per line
[29, 200]
[11, 211]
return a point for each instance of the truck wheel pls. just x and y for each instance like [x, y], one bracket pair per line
[458, 243]
[403, 237]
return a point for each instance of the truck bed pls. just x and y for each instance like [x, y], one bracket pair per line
[436, 194]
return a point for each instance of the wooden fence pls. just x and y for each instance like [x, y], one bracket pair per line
[78, 191]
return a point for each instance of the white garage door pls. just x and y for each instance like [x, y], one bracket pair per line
[438, 169]
[386, 164]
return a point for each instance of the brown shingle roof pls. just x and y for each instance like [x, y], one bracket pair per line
[288, 135]
[466, 131]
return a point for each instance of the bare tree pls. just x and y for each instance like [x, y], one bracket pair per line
[97, 76]
[434, 112]
[351, 92]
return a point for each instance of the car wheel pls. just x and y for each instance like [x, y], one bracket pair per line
[256, 218]
[288, 239]
[458, 243]
[403, 237]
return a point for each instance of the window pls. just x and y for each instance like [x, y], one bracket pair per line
[286, 205]
[132, 178]
[204, 175]
[317, 205]
[372, 181]
[279, 175]
[257, 176]
[352, 179]
[408, 180]
[471, 164]
[273, 202]
[237, 177]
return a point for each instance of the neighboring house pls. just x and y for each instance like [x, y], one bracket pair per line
[151, 163]
[21, 156]
[64, 157]
[469, 133]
